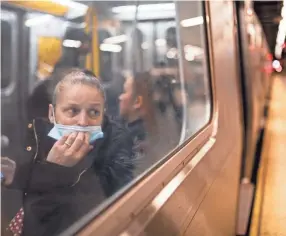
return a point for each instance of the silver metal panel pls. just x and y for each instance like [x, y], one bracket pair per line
[11, 18]
[196, 191]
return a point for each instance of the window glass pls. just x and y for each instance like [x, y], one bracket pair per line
[196, 89]
[6, 54]
[133, 76]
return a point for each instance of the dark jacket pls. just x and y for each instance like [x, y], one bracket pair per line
[56, 196]
[138, 134]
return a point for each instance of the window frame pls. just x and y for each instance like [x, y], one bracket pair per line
[12, 20]
[113, 215]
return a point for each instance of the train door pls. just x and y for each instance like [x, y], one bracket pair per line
[13, 97]
[13, 76]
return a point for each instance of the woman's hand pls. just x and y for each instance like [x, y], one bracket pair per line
[8, 168]
[70, 149]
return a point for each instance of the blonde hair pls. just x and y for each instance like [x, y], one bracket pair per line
[75, 76]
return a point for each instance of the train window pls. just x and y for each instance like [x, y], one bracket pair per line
[7, 52]
[196, 90]
[150, 59]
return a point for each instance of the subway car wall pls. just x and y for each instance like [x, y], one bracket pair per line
[162, 92]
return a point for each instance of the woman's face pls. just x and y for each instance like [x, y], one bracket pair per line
[126, 99]
[78, 104]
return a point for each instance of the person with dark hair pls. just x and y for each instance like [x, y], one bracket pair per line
[74, 160]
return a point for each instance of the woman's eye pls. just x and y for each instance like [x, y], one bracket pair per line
[94, 113]
[72, 111]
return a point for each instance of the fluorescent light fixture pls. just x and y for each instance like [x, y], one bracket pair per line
[160, 42]
[110, 47]
[199, 20]
[38, 20]
[116, 39]
[145, 11]
[151, 15]
[71, 43]
[144, 7]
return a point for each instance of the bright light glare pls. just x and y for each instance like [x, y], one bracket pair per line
[192, 52]
[38, 20]
[283, 12]
[144, 45]
[192, 21]
[251, 29]
[172, 53]
[76, 9]
[249, 12]
[278, 51]
[160, 42]
[279, 69]
[110, 47]
[276, 64]
[281, 33]
[116, 39]
[71, 43]
[72, 4]
[144, 7]
[145, 11]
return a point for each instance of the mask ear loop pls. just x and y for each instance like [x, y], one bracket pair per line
[54, 116]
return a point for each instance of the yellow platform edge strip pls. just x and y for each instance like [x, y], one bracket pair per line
[262, 175]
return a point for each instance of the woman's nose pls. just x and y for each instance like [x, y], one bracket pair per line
[83, 119]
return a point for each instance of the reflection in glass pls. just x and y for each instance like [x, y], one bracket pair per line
[151, 61]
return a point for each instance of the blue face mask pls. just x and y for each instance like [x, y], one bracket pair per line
[58, 131]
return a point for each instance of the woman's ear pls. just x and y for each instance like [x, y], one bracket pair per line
[138, 102]
[51, 113]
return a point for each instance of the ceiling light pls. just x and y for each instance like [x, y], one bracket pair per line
[116, 39]
[110, 47]
[71, 43]
[38, 20]
[144, 7]
[199, 20]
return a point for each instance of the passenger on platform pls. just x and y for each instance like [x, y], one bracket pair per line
[75, 159]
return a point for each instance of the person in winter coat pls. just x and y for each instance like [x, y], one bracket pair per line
[73, 161]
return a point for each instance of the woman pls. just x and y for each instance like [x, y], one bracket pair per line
[74, 161]
[136, 109]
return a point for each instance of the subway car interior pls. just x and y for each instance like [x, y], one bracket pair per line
[143, 118]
